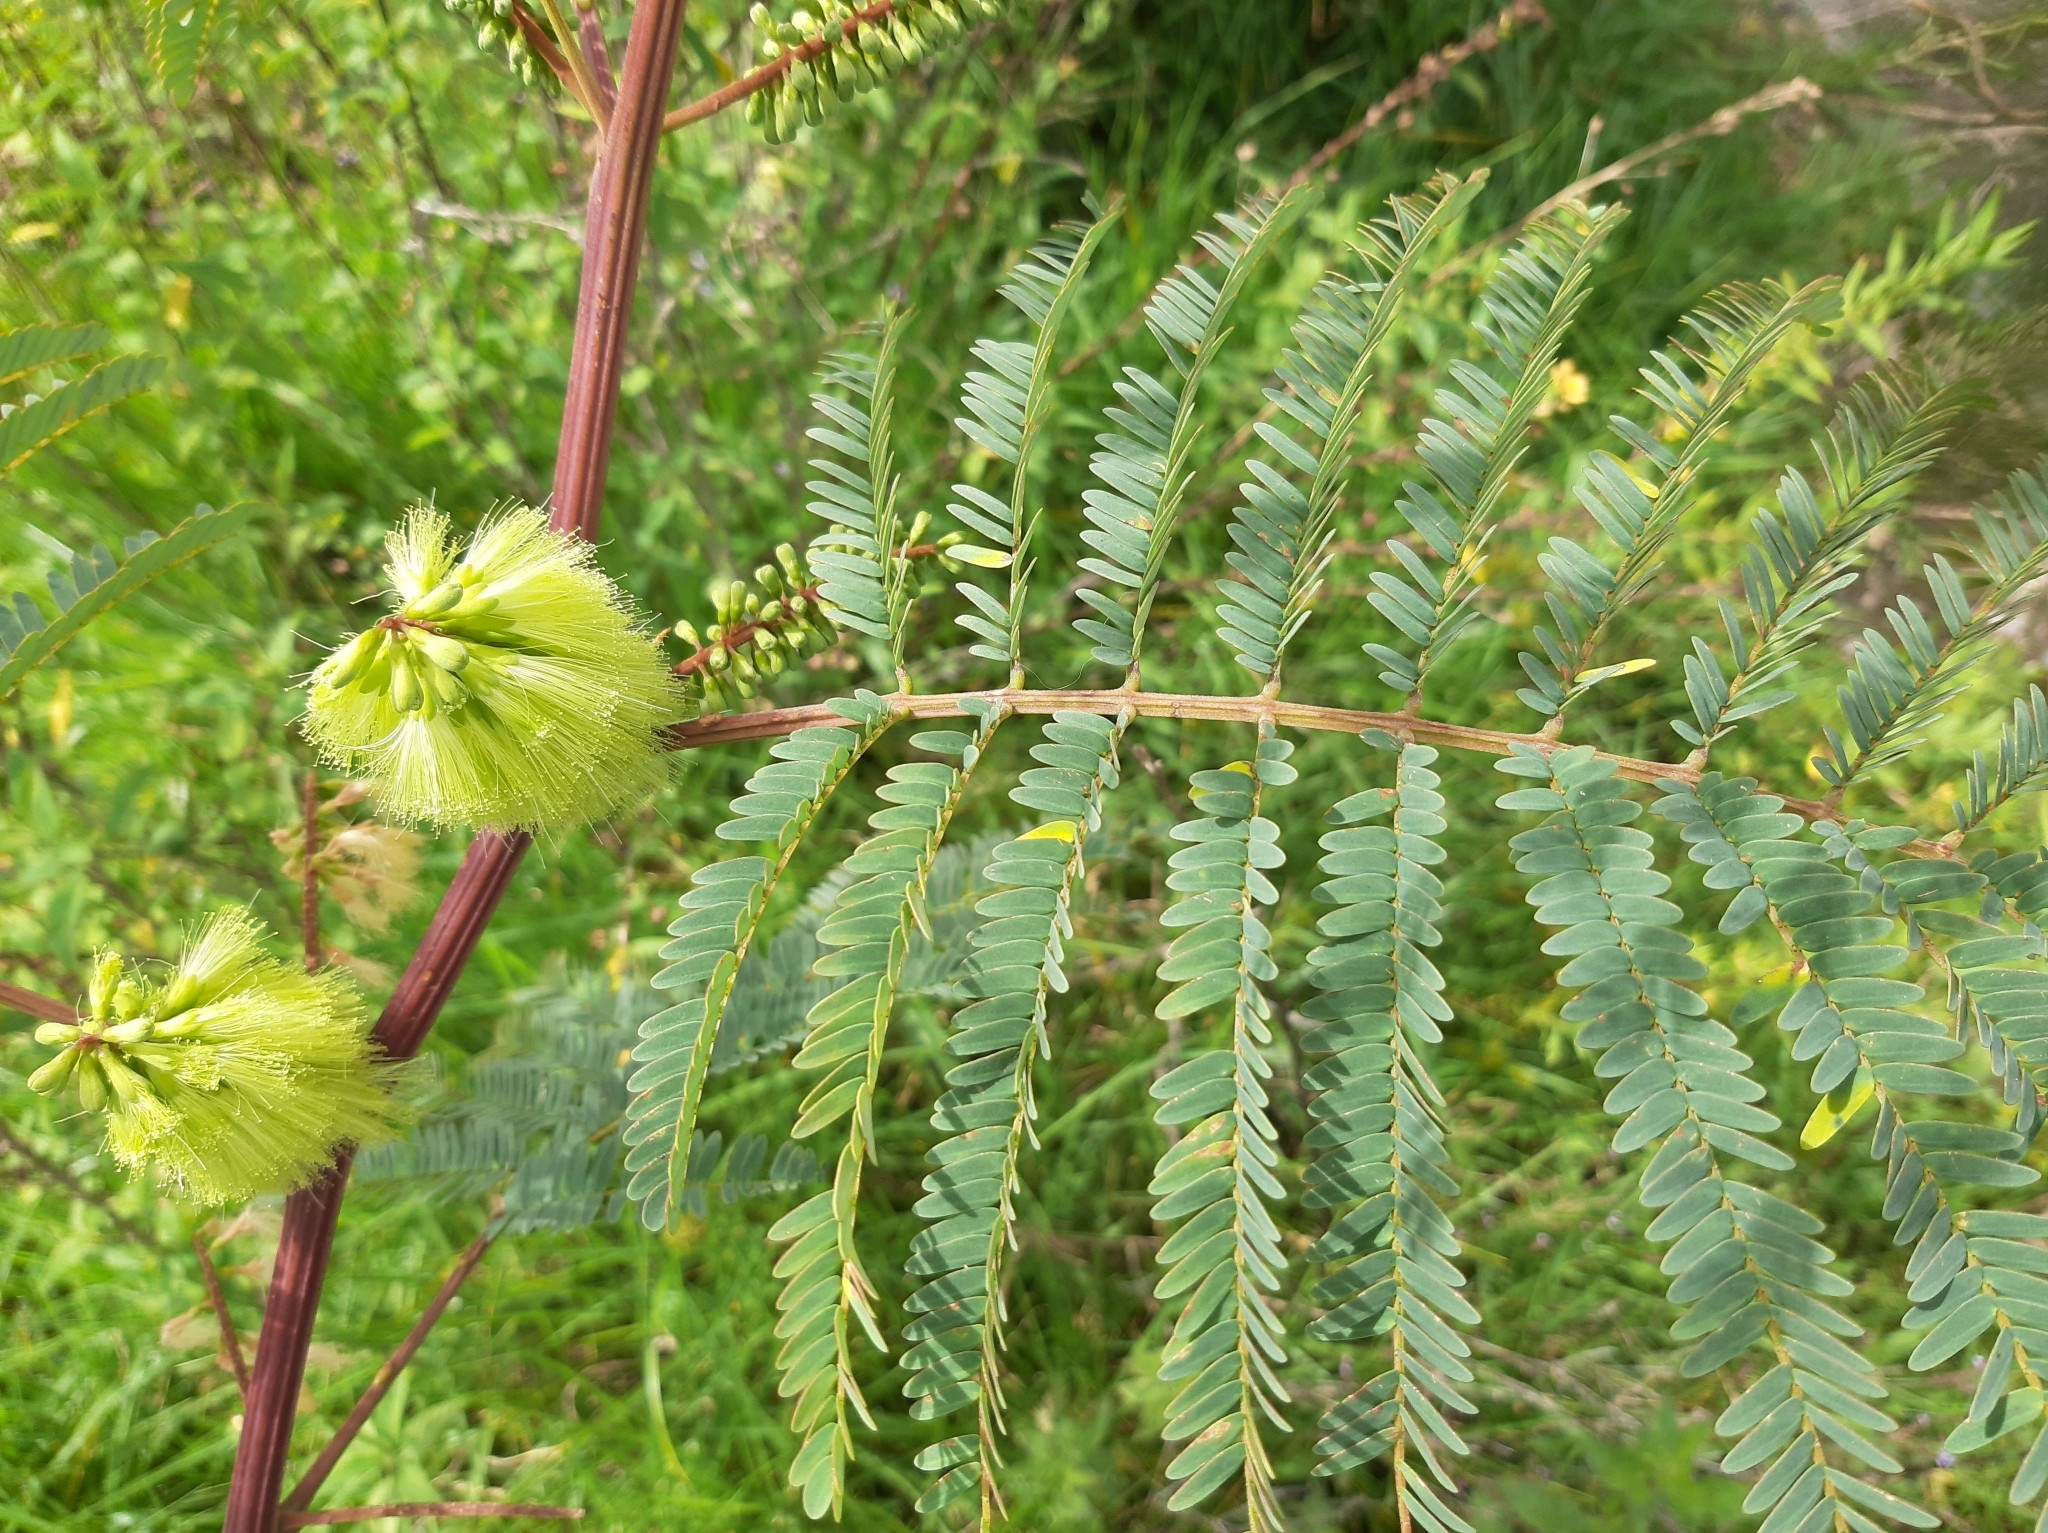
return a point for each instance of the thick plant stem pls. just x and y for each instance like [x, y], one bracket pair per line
[617, 224]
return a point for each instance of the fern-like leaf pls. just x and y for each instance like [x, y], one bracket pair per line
[32, 346]
[94, 583]
[177, 35]
[1527, 310]
[1893, 692]
[1697, 387]
[1887, 431]
[1281, 531]
[1381, 1144]
[1144, 462]
[866, 578]
[1743, 1262]
[32, 425]
[1007, 405]
[721, 914]
[826, 1290]
[1226, 1258]
[987, 1112]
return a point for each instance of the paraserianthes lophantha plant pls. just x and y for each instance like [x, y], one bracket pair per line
[515, 686]
[233, 1075]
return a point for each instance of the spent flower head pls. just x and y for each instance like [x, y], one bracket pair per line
[234, 1075]
[514, 687]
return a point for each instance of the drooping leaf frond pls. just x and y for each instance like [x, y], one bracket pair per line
[1743, 1262]
[1527, 310]
[1380, 1141]
[826, 1289]
[93, 584]
[1892, 692]
[1007, 407]
[1886, 432]
[1144, 462]
[1227, 1257]
[721, 914]
[1696, 386]
[1282, 530]
[989, 1108]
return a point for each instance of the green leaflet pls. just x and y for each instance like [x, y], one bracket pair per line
[1893, 690]
[1743, 1263]
[177, 33]
[988, 1112]
[1007, 406]
[825, 1288]
[1697, 386]
[1888, 429]
[1226, 1341]
[1281, 531]
[721, 914]
[866, 580]
[1529, 306]
[90, 586]
[1144, 460]
[1381, 1141]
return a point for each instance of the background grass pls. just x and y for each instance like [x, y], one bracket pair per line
[356, 249]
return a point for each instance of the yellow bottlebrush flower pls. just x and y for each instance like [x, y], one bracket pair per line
[515, 687]
[233, 1076]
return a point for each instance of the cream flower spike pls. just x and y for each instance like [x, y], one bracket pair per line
[236, 1075]
[514, 688]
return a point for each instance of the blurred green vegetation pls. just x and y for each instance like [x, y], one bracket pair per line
[357, 249]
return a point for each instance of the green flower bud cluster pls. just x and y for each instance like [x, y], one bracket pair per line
[759, 630]
[849, 65]
[515, 687]
[236, 1075]
[495, 28]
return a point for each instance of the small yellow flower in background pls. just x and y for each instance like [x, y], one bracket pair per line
[515, 687]
[1569, 388]
[235, 1075]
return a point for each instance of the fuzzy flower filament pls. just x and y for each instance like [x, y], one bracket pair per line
[514, 687]
[235, 1076]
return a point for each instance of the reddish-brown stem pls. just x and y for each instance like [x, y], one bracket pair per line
[44, 1008]
[614, 229]
[543, 46]
[429, 1509]
[774, 69]
[309, 885]
[590, 32]
[309, 1484]
[616, 224]
[230, 1342]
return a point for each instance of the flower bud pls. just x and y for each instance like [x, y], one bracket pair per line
[50, 1078]
[451, 655]
[442, 598]
[769, 579]
[685, 634]
[406, 693]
